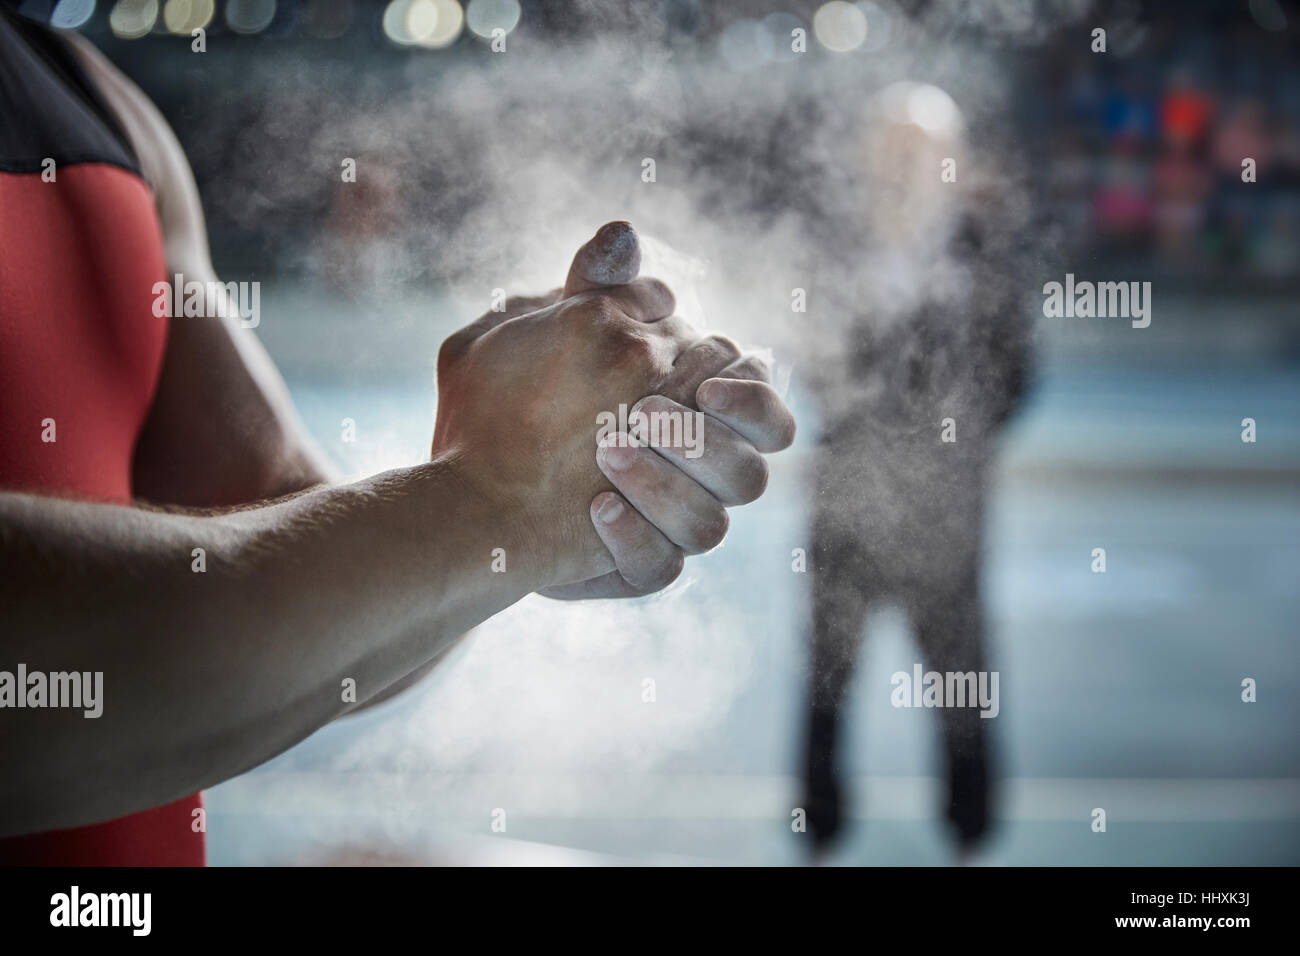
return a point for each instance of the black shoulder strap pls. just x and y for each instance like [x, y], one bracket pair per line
[49, 107]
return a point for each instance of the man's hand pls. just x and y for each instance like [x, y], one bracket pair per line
[518, 406]
[662, 504]
[744, 416]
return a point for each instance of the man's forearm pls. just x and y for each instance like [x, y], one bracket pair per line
[208, 673]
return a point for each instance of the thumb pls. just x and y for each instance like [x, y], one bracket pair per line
[611, 257]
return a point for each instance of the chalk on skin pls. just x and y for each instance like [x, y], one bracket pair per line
[611, 257]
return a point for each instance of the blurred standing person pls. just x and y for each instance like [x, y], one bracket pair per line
[911, 420]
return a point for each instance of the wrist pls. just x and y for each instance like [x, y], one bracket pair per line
[549, 533]
[499, 529]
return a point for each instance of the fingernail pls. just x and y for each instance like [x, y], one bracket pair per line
[610, 510]
[638, 420]
[617, 457]
[715, 394]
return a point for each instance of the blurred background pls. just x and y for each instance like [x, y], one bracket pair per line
[773, 170]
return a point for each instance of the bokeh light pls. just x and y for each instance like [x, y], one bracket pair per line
[484, 16]
[425, 23]
[745, 45]
[70, 14]
[840, 26]
[451, 20]
[777, 28]
[394, 22]
[923, 105]
[421, 20]
[130, 19]
[249, 16]
[186, 16]
[881, 18]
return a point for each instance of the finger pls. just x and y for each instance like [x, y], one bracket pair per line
[753, 409]
[645, 300]
[611, 257]
[705, 358]
[722, 462]
[646, 560]
[685, 512]
[675, 336]
[676, 328]
[754, 366]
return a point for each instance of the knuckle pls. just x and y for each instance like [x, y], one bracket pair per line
[635, 349]
[623, 346]
[452, 348]
[723, 346]
[606, 303]
[522, 304]
[594, 308]
[661, 295]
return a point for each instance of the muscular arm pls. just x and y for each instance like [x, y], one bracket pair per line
[207, 671]
[222, 429]
[208, 674]
[222, 432]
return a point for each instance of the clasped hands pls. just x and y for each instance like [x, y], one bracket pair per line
[520, 395]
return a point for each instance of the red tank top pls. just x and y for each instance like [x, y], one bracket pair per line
[80, 349]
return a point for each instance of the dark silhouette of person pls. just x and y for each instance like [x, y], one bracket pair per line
[899, 511]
